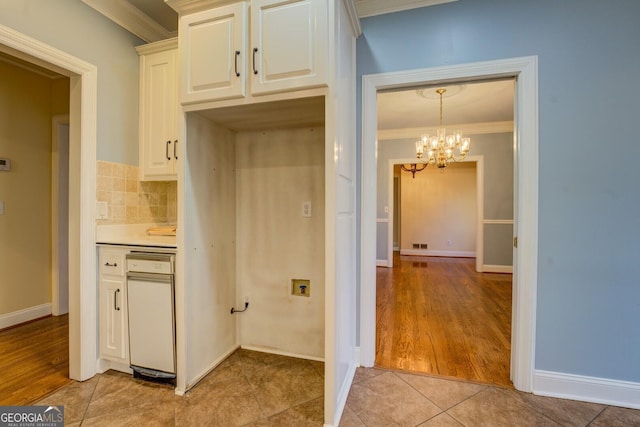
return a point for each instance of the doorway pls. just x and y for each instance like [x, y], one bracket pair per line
[524, 70]
[82, 190]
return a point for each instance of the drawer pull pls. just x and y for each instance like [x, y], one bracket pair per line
[115, 299]
[106, 264]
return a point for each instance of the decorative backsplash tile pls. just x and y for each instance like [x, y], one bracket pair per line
[131, 201]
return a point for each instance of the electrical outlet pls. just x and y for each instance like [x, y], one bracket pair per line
[301, 287]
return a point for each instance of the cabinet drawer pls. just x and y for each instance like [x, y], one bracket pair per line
[112, 262]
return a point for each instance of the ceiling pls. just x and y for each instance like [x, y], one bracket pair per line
[471, 106]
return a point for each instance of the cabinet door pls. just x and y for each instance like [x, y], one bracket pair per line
[113, 319]
[214, 55]
[289, 44]
[158, 106]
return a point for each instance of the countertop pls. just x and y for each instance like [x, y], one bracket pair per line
[132, 235]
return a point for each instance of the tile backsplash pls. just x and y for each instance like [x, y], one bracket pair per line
[131, 201]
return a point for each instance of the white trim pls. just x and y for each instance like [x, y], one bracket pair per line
[58, 306]
[352, 14]
[82, 192]
[382, 220]
[587, 389]
[24, 315]
[345, 387]
[490, 268]
[383, 263]
[281, 353]
[156, 47]
[131, 19]
[467, 129]
[379, 7]
[525, 70]
[428, 252]
[197, 378]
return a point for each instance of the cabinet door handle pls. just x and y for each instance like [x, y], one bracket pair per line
[166, 150]
[236, 62]
[106, 264]
[255, 50]
[115, 299]
[175, 147]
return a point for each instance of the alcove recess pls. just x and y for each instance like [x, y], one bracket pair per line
[248, 171]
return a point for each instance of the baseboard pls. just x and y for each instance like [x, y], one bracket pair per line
[426, 252]
[103, 365]
[281, 353]
[25, 315]
[382, 263]
[588, 389]
[345, 387]
[206, 371]
[487, 268]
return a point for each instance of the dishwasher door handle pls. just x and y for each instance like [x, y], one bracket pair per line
[150, 277]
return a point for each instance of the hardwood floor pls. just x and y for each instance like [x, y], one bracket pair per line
[438, 316]
[34, 360]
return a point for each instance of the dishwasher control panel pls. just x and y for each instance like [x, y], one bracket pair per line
[150, 263]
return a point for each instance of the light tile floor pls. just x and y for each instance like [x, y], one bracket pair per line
[259, 390]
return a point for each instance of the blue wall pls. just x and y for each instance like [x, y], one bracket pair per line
[588, 308]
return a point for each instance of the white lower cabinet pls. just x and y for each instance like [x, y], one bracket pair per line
[112, 294]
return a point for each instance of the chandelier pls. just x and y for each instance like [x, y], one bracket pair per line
[440, 149]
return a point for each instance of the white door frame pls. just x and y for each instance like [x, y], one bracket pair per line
[59, 294]
[479, 161]
[82, 191]
[525, 71]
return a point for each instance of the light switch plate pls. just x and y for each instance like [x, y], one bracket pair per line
[306, 209]
[102, 210]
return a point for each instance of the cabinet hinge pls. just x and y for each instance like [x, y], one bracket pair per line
[515, 242]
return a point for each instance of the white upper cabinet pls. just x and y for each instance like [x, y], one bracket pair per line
[213, 58]
[289, 44]
[158, 110]
[223, 57]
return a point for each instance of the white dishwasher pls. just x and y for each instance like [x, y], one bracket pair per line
[152, 337]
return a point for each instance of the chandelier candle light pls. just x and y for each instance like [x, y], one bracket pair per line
[441, 149]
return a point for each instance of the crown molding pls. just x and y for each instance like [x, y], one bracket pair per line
[467, 129]
[378, 7]
[131, 19]
[354, 19]
[186, 7]
[159, 46]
